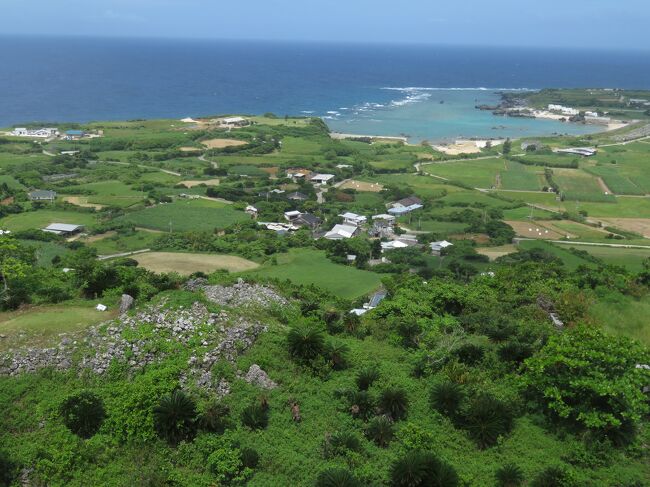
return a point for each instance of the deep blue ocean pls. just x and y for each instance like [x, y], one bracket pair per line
[84, 79]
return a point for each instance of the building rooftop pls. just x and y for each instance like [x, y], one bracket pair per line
[60, 228]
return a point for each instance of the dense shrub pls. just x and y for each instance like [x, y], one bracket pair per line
[509, 476]
[366, 377]
[339, 443]
[83, 413]
[306, 342]
[336, 477]
[255, 416]
[214, 417]
[380, 429]
[447, 398]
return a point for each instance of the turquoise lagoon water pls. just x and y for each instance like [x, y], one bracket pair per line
[442, 115]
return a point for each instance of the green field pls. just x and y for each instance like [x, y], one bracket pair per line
[571, 261]
[631, 259]
[42, 218]
[624, 315]
[577, 185]
[306, 266]
[116, 244]
[110, 193]
[479, 174]
[40, 325]
[186, 216]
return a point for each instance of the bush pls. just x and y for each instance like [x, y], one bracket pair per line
[447, 398]
[509, 476]
[381, 431]
[366, 377]
[515, 351]
[174, 417]
[486, 419]
[469, 353]
[227, 466]
[394, 403]
[306, 342]
[422, 469]
[7, 470]
[255, 416]
[83, 413]
[336, 477]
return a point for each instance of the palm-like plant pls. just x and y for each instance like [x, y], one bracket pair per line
[394, 403]
[83, 413]
[336, 353]
[175, 417]
[366, 377]
[336, 477]
[446, 398]
[550, 477]
[249, 457]
[509, 475]
[339, 443]
[255, 416]
[380, 430]
[470, 353]
[361, 404]
[214, 416]
[422, 469]
[487, 418]
[306, 342]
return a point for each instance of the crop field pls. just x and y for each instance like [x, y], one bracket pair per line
[636, 225]
[577, 185]
[496, 252]
[624, 315]
[571, 261]
[38, 326]
[632, 259]
[114, 243]
[480, 174]
[42, 218]
[187, 263]
[221, 143]
[110, 193]
[362, 186]
[536, 230]
[306, 266]
[186, 216]
[520, 177]
[615, 181]
[199, 182]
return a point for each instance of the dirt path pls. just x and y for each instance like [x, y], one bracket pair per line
[604, 186]
[166, 171]
[123, 254]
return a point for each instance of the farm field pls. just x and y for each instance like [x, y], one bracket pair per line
[570, 260]
[631, 259]
[114, 243]
[362, 186]
[110, 193]
[187, 263]
[533, 229]
[186, 216]
[38, 326]
[306, 266]
[577, 185]
[496, 252]
[42, 218]
[637, 225]
[480, 174]
[623, 315]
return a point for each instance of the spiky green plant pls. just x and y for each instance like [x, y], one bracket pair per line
[380, 430]
[255, 416]
[422, 469]
[249, 457]
[83, 413]
[551, 477]
[447, 398]
[175, 417]
[366, 377]
[394, 403]
[486, 418]
[340, 442]
[361, 404]
[336, 477]
[509, 475]
[214, 417]
[470, 353]
[336, 353]
[306, 342]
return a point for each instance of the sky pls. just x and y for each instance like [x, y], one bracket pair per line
[617, 24]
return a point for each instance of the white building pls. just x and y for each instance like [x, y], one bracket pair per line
[42, 133]
[339, 232]
[63, 228]
[291, 215]
[353, 219]
[321, 178]
[438, 247]
[563, 110]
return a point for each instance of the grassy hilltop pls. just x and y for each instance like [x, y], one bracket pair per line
[513, 357]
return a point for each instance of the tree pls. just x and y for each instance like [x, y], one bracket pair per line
[13, 263]
[174, 417]
[507, 146]
[591, 380]
[255, 416]
[83, 413]
[366, 377]
[336, 354]
[422, 469]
